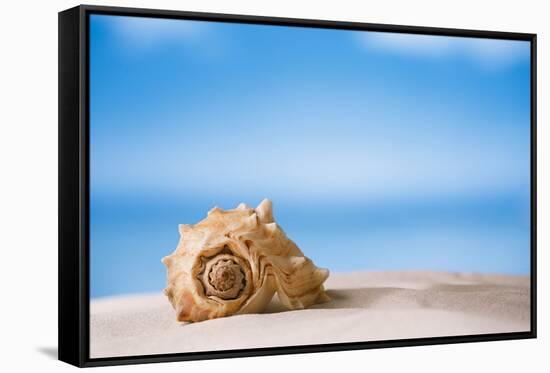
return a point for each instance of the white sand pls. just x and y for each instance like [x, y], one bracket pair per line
[364, 307]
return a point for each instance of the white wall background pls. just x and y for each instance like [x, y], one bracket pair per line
[28, 186]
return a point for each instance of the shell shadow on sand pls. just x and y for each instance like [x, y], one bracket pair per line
[477, 299]
[342, 298]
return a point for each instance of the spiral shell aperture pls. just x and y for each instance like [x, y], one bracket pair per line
[234, 261]
[224, 277]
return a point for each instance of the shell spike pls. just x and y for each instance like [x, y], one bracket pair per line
[167, 260]
[265, 212]
[271, 228]
[184, 228]
[243, 206]
[214, 210]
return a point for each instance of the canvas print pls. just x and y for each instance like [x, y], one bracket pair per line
[259, 186]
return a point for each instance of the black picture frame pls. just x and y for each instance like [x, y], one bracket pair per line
[73, 248]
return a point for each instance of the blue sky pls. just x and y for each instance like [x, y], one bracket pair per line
[409, 151]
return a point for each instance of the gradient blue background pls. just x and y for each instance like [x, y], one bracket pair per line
[380, 151]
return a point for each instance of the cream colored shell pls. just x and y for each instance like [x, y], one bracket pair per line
[234, 261]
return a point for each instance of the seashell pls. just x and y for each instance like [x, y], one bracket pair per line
[234, 261]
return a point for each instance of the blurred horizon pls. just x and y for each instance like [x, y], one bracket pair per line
[379, 151]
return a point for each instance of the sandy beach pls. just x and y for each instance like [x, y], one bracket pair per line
[364, 307]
